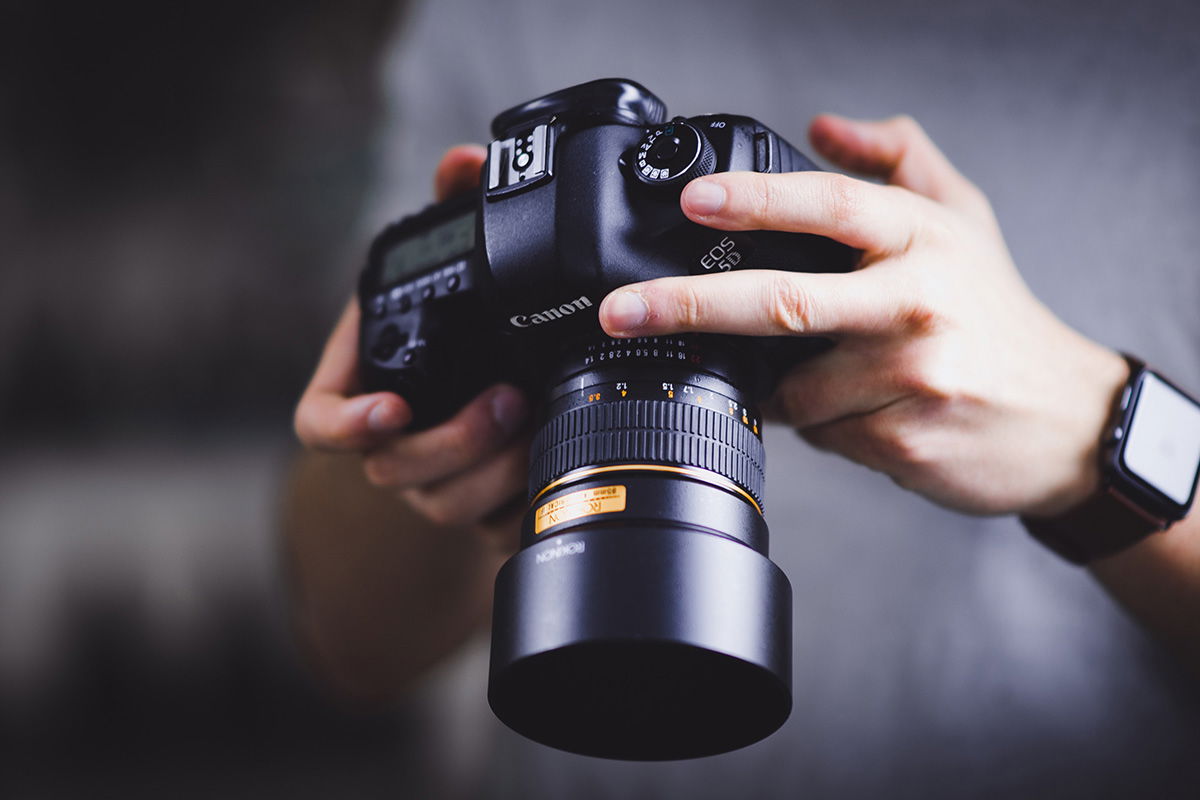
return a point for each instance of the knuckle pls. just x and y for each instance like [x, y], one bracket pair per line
[689, 306]
[921, 312]
[789, 305]
[437, 508]
[440, 514]
[895, 444]
[907, 126]
[313, 430]
[844, 201]
[976, 202]
[765, 201]
[934, 379]
[936, 230]
[302, 425]
[919, 319]
[467, 439]
[820, 436]
[919, 222]
[378, 470]
[918, 375]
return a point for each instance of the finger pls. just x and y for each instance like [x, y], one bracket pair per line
[897, 150]
[849, 437]
[892, 440]
[844, 382]
[760, 303]
[475, 432]
[878, 219]
[474, 495]
[459, 170]
[328, 417]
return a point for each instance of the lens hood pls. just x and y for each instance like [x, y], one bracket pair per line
[646, 643]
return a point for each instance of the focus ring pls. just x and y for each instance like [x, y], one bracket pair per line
[648, 431]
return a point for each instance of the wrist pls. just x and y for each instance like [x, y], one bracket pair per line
[1096, 378]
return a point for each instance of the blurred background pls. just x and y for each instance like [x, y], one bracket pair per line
[185, 197]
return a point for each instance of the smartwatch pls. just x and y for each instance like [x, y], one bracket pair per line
[1149, 466]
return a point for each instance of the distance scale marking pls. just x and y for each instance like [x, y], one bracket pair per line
[653, 347]
[672, 391]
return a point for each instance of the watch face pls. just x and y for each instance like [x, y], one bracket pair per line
[1162, 445]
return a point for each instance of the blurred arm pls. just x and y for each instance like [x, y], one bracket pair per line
[380, 593]
[1158, 581]
[394, 537]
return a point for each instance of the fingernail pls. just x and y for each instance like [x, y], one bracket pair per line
[384, 416]
[508, 409]
[704, 198]
[625, 311]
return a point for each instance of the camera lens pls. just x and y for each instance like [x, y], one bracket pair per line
[641, 618]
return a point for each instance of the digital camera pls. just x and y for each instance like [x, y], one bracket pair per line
[641, 617]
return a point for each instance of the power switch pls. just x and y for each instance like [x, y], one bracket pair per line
[764, 153]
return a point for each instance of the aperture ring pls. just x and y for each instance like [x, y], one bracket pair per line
[648, 431]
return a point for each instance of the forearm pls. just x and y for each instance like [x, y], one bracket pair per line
[1158, 580]
[379, 593]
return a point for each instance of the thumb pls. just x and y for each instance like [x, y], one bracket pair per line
[329, 416]
[897, 150]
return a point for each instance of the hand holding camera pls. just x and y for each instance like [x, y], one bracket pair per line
[948, 374]
[641, 617]
[465, 472]
[648, 455]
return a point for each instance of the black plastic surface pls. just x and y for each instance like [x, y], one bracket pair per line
[641, 643]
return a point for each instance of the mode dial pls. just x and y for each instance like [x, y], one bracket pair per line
[673, 154]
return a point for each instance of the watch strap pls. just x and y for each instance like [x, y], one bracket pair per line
[1103, 525]
[1108, 521]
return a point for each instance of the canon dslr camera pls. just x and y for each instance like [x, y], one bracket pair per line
[641, 618]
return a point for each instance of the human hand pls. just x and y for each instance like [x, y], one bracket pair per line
[469, 471]
[948, 374]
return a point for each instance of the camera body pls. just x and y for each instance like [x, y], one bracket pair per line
[580, 195]
[642, 617]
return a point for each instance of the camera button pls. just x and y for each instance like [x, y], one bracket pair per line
[409, 358]
[378, 305]
[390, 340]
[405, 303]
[663, 151]
[427, 294]
[453, 282]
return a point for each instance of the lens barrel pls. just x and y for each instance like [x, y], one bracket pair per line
[641, 618]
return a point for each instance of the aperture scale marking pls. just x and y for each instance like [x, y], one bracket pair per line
[689, 394]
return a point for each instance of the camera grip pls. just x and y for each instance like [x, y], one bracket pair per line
[437, 381]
